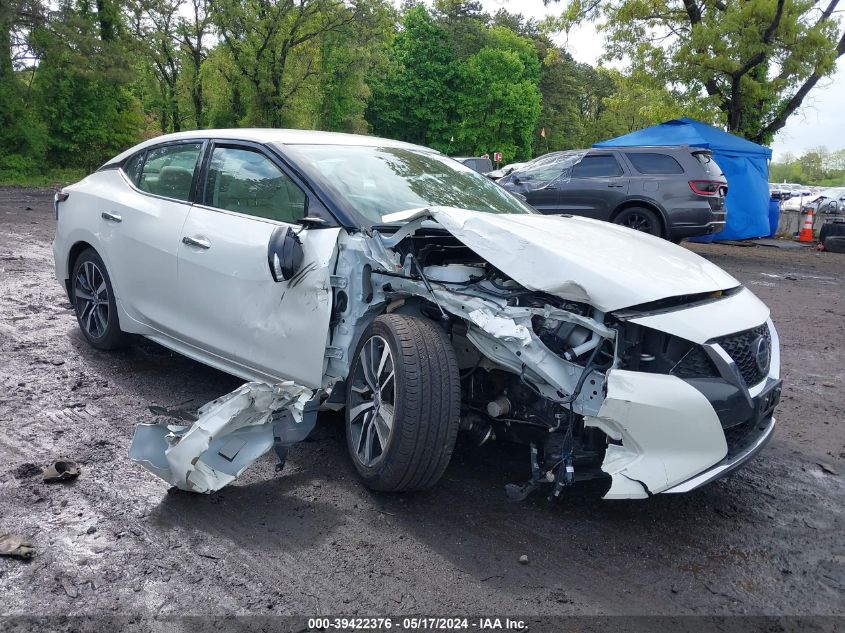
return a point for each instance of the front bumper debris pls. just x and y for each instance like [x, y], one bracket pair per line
[663, 432]
[231, 433]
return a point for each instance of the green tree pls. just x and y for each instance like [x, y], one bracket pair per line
[755, 59]
[193, 31]
[22, 136]
[464, 23]
[224, 89]
[155, 24]
[499, 101]
[82, 85]
[414, 98]
[565, 114]
[638, 100]
[274, 45]
[346, 59]
[814, 164]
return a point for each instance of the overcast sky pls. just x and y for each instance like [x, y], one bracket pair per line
[819, 122]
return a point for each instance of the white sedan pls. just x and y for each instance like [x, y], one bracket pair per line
[341, 271]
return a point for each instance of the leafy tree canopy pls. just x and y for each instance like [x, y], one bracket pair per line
[754, 60]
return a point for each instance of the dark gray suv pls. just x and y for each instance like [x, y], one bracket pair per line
[672, 192]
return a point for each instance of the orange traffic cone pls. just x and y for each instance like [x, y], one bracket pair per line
[806, 234]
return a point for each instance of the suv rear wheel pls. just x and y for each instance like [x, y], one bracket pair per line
[402, 404]
[640, 219]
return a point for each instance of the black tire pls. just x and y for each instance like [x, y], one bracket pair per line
[831, 229]
[640, 219]
[835, 244]
[98, 322]
[426, 404]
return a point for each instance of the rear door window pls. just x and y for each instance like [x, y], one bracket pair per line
[132, 168]
[654, 163]
[168, 171]
[247, 181]
[597, 166]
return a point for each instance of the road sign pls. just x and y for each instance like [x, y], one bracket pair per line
[497, 157]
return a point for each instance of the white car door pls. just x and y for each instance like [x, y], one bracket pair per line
[146, 224]
[232, 305]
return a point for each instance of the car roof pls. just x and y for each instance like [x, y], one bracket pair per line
[275, 136]
[651, 148]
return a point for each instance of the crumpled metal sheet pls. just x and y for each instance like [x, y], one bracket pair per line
[230, 434]
[668, 429]
[500, 327]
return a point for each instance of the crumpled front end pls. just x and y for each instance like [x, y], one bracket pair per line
[659, 397]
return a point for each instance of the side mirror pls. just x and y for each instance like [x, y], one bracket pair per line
[284, 254]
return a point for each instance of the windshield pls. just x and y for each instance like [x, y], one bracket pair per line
[378, 181]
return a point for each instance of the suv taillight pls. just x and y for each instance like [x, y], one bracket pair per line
[706, 187]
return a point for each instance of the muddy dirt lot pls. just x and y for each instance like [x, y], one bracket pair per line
[311, 540]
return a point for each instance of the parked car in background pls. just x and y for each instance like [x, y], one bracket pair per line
[383, 278]
[796, 200]
[792, 196]
[671, 192]
[827, 201]
[480, 164]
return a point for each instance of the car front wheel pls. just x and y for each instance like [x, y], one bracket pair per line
[94, 303]
[402, 404]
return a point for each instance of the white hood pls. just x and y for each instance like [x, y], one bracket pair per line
[605, 265]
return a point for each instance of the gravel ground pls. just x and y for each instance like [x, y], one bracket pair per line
[311, 540]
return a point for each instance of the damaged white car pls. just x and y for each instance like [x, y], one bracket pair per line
[339, 271]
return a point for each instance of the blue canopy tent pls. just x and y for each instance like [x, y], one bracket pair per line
[745, 165]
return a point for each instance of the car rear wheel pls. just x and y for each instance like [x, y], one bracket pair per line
[93, 301]
[640, 219]
[402, 404]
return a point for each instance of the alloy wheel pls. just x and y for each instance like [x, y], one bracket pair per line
[372, 409]
[91, 298]
[638, 222]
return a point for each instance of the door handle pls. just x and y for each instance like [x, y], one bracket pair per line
[616, 186]
[196, 241]
[111, 217]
